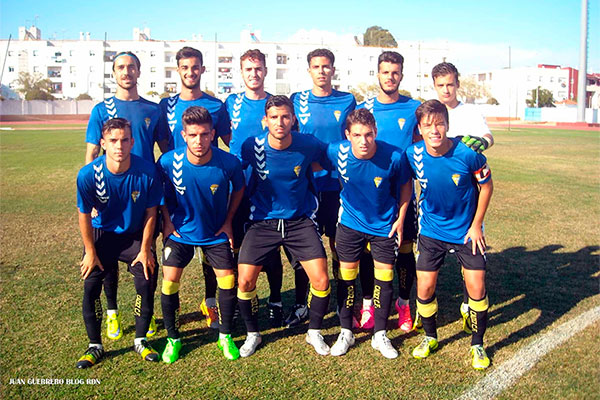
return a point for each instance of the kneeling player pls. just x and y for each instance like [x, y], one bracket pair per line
[125, 190]
[370, 173]
[456, 187]
[197, 178]
[282, 207]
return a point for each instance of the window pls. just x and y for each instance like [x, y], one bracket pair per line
[11, 53]
[73, 84]
[106, 76]
[73, 69]
[36, 69]
[11, 69]
[152, 54]
[35, 53]
[71, 53]
[92, 53]
[152, 84]
[58, 54]
[167, 74]
[152, 69]
[371, 73]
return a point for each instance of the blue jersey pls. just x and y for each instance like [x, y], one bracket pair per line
[325, 118]
[122, 199]
[197, 195]
[143, 115]
[368, 201]
[396, 122]
[172, 108]
[246, 120]
[449, 191]
[281, 184]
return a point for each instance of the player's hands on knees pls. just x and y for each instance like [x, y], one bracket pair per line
[228, 230]
[397, 229]
[147, 260]
[88, 263]
[477, 239]
[475, 143]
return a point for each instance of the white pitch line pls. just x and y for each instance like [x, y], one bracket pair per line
[507, 373]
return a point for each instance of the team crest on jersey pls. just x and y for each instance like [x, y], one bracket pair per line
[401, 122]
[213, 188]
[337, 114]
[147, 120]
[377, 181]
[135, 195]
[456, 178]
[297, 169]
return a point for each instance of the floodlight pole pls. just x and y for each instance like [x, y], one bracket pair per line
[582, 78]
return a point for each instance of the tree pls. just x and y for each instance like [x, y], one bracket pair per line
[470, 90]
[377, 36]
[165, 95]
[492, 101]
[405, 93]
[34, 87]
[364, 91]
[152, 93]
[84, 96]
[540, 98]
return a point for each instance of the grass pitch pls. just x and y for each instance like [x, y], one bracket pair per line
[542, 229]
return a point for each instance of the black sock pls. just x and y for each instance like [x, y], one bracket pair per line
[227, 302]
[111, 285]
[210, 280]
[382, 299]
[170, 310]
[428, 311]
[478, 310]
[248, 304]
[345, 301]
[274, 270]
[318, 303]
[92, 306]
[406, 270]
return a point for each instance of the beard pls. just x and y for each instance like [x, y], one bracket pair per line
[389, 92]
[194, 86]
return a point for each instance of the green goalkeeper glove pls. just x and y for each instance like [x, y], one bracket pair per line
[476, 143]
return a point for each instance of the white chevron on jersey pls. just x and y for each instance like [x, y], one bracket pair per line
[343, 161]
[417, 161]
[99, 182]
[237, 106]
[111, 108]
[369, 104]
[304, 114]
[259, 155]
[178, 172]
[171, 103]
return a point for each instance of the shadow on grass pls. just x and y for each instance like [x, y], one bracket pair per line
[521, 280]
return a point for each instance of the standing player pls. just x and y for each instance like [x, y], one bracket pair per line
[321, 112]
[247, 111]
[198, 214]
[396, 124]
[282, 207]
[372, 173]
[456, 187]
[190, 69]
[143, 115]
[125, 190]
[469, 125]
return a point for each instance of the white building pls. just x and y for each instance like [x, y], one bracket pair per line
[85, 65]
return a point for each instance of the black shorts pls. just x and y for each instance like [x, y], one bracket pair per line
[431, 253]
[299, 236]
[327, 214]
[410, 228]
[179, 255]
[350, 244]
[240, 222]
[114, 247]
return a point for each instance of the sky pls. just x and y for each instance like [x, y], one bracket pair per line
[477, 33]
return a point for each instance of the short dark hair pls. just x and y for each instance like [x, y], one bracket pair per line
[360, 116]
[254, 54]
[443, 69]
[391, 57]
[321, 53]
[116, 123]
[279, 101]
[188, 52]
[130, 54]
[431, 107]
[195, 115]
